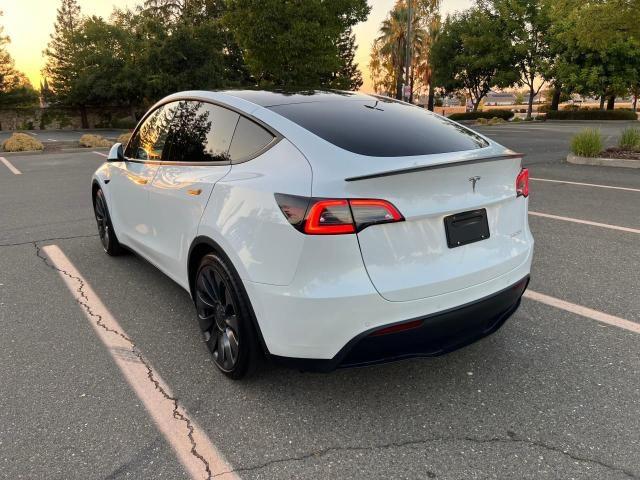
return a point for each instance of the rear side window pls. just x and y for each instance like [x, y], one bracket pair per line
[201, 132]
[150, 140]
[248, 140]
[381, 128]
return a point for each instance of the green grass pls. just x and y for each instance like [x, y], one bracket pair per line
[630, 139]
[587, 143]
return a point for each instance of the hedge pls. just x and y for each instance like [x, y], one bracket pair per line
[503, 114]
[592, 115]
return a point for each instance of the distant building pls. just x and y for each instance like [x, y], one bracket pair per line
[494, 99]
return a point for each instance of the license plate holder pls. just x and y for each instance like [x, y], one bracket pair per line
[466, 227]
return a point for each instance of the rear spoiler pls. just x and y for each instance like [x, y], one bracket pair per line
[402, 171]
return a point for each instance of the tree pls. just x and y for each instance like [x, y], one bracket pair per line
[528, 24]
[473, 53]
[391, 47]
[593, 61]
[425, 67]
[15, 89]
[428, 12]
[600, 58]
[348, 76]
[293, 44]
[45, 91]
[62, 48]
[62, 54]
[7, 66]
[139, 57]
[616, 21]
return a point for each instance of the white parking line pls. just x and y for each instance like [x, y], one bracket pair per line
[586, 184]
[101, 154]
[191, 444]
[10, 166]
[583, 311]
[51, 140]
[585, 222]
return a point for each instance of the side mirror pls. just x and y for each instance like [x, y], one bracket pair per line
[116, 154]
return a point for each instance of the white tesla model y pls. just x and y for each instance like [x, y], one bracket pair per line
[321, 229]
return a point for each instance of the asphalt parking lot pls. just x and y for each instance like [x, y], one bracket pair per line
[555, 394]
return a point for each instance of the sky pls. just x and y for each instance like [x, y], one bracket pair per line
[29, 23]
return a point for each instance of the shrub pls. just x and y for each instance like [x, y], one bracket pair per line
[592, 115]
[21, 142]
[94, 141]
[544, 108]
[630, 139]
[516, 120]
[124, 138]
[587, 143]
[503, 114]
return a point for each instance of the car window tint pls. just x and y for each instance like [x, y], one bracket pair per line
[150, 140]
[248, 140]
[381, 128]
[201, 132]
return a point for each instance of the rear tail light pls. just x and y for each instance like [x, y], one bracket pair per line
[335, 216]
[522, 183]
[329, 217]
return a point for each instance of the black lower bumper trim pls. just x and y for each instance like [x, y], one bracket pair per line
[438, 334]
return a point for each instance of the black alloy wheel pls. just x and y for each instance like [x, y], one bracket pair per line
[105, 228]
[223, 316]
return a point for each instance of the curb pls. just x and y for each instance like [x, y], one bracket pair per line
[603, 162]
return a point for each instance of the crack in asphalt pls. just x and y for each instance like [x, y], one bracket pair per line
[510, 438]
[83, 300]
[33, 242]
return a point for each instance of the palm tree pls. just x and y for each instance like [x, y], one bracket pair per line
[391, 46]
[393, 42]
[424, 64]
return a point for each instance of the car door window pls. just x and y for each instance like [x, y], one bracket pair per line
[201, 132]
[150, 140]
[248, 140]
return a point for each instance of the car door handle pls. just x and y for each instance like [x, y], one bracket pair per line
[195, 192]
[137, 180]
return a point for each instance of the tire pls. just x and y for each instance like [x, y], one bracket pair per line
[225, 318]
[106, 232]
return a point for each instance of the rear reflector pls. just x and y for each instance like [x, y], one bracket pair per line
[522, 183]
[401, 327]
[335, 216]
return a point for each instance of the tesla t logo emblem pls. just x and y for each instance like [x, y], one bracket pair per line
[473, 181]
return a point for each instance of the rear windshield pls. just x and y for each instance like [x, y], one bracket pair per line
[381, 128]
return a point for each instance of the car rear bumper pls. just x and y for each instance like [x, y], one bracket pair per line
[431, 335]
